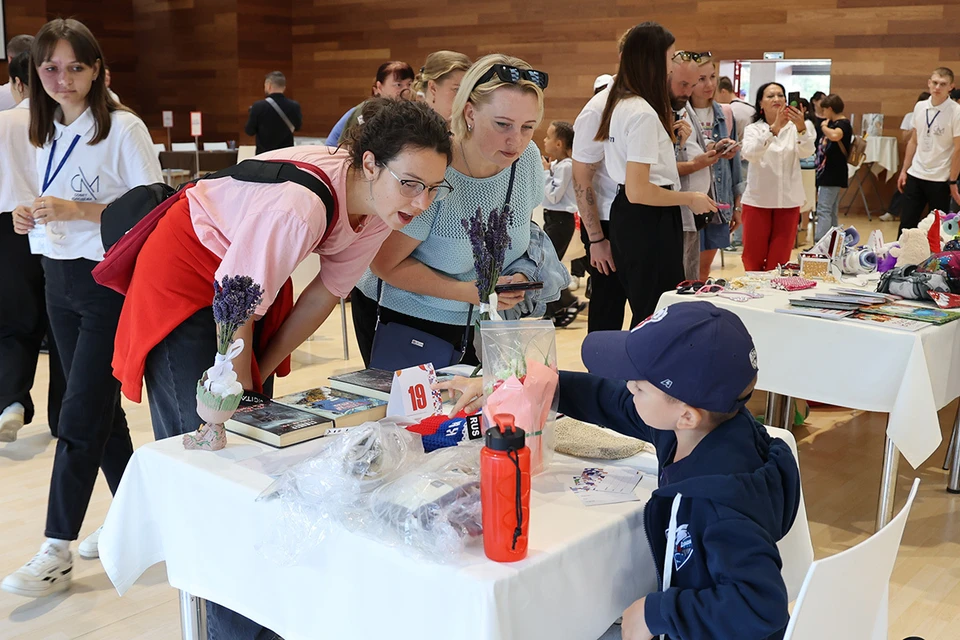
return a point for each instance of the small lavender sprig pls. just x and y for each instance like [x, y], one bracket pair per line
[489, 239]
[235, 299]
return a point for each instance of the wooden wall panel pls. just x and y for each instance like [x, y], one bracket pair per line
[211, 55]
[882, 50]
[188, 61]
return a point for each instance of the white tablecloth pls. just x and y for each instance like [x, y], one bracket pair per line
[850, 364]
[196, 511]
[883, 152]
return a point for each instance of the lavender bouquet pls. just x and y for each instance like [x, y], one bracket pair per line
[218, 391]
[490, 241]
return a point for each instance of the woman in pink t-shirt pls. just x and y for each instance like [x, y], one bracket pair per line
[394, 169]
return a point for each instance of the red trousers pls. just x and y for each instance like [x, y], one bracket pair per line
[768, 236]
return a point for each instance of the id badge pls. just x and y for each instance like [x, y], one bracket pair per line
[39, 241]
[926, 144]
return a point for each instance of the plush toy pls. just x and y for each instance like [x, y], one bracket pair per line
[931, 228]
[886, 260]
[914, 247]
[949, 227]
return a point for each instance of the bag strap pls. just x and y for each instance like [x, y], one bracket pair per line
[283, 116]
[277, 171]
[513, 174]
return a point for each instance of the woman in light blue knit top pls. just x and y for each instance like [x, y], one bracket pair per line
[427, 268]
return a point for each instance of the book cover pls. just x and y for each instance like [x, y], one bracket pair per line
[889, 322]
[932, 315]
[825, 304]
[344, 408]
[373, 383]
[260, 418]
[829, 314]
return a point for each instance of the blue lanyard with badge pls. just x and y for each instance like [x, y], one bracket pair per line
[39, 241]
[928, 139]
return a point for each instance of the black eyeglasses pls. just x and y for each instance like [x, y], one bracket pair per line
[513, 75]
[687, 56]
[413, 188]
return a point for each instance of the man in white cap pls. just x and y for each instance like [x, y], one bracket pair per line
[601, 83]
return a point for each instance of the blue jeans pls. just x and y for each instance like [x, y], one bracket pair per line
[828, 207]
[172, 370]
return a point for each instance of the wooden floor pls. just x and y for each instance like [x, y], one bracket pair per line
[840, 459]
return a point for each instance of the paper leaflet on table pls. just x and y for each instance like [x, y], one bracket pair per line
[596, 486]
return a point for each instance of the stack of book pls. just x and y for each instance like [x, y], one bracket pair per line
[302, 416]
[878, 309]
[350, 400]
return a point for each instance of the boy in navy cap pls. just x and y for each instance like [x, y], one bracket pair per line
[728, 492]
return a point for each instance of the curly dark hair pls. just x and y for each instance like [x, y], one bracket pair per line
[387, 127]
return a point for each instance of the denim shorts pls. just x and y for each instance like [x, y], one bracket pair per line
[715, 236]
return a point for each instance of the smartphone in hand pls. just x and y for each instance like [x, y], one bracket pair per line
[793, 99]
[518, 286]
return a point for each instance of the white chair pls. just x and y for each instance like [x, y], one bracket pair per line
[215, 146]
[796, 548]
[845, 595]
[158, 147]
[184, 146]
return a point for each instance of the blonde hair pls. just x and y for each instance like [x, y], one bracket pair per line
[437, 65]
[480, 95]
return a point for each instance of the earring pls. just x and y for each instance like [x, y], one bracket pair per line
[470, 127]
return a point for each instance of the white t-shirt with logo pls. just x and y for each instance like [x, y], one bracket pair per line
[588, 150]
[92, 173]
[936, 128]
[637, 135]
[18, 174]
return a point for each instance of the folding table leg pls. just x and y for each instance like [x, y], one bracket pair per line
[953, 453]
[193, 617]
[953, 441]
[888, 483]
[343, 328]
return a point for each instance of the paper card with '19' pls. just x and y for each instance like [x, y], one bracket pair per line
[412, 394]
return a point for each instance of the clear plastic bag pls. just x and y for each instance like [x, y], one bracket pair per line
[334, 486]
[520, 378]
[433, 510]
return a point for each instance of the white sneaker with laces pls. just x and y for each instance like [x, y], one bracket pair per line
[11, 421]
[47, 573]
[887, 217]
[89, 549]
[574, 283]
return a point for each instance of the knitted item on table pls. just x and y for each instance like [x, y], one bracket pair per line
[582, 440]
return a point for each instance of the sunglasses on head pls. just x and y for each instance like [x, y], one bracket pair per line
[513, 75]
[687, 56]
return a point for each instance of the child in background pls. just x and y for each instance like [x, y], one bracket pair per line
[559, 209]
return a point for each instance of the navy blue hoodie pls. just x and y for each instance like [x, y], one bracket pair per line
[740, 493]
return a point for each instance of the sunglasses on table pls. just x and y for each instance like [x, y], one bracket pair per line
[413, 188]
[513, 75]
[699, 58]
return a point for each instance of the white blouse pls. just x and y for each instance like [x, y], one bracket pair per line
[69, 167]
[774, 181]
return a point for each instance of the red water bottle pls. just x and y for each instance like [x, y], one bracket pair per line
[505, 491]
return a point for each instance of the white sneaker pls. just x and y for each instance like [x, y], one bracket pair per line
[47, 573]
[89, 549]
[887, 217]
[574, 283]
[11, 421]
